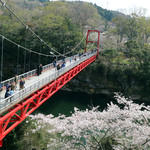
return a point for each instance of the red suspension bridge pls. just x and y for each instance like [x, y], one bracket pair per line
[15, 108]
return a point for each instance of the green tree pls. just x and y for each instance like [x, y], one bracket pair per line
[120, 28]
[144, 31]
[81, 13]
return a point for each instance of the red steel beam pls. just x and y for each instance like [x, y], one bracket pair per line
[15, 115]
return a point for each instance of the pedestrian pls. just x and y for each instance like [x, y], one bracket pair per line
[58, 66]
[8, 85]
[70, 59]
[40, 69]
[22, 82]
[16, 81]
[75, 58]
[63, 65]
[7, 93]
[23, 79]
[54, 63]
[11, 90]
[63, 60]
[1, 87]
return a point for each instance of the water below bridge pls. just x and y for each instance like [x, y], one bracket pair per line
[63, 102]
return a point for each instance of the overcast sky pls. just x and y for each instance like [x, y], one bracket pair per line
[125, 6]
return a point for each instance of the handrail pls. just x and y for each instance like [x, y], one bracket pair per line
[20, 95]
[28, 74]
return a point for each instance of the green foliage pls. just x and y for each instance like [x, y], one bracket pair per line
[84, 14]
[83, 140]
[127, 70]
[44, 1]
[134, 27]
[108, 15]
[53, 22]
[38, 140]
[110, 52]
[132, 44]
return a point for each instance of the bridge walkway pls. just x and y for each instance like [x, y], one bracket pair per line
[35, 82]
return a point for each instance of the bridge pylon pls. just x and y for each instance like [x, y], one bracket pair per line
[91, 41]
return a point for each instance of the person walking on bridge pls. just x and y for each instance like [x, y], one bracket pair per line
[11, 90]
[7, 86]
[22, 82]
[70, 59]
[7, 93]
[58, 66]
[54, 63]
[40, 68]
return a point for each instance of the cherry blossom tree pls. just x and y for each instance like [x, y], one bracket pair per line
[121, 126]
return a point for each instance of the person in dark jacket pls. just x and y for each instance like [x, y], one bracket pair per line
[7, 93]
[7, 86]
[22, 82]
[1, 89]
[54, 63]
[63, 65]
[40, 69]
[58, 66]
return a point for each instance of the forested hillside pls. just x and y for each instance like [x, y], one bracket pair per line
[108, 15]
[60, 24]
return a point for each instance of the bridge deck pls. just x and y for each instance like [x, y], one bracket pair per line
[33, 79]
[30, 81]
[34, 83]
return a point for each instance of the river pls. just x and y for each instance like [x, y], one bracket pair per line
[63, 102]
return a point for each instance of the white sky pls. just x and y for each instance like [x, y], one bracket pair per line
[125, 6]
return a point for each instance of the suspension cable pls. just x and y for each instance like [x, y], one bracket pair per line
[4, 4]
[2, 48]
[17, 59]
[29, 59]
[75, 46]
[25, 47]
[26, 30]
[2, 59]
[40, 51]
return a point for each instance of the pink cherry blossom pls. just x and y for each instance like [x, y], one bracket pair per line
[128, 127]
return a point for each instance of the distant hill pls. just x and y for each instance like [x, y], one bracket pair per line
[108, 14]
